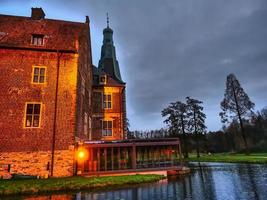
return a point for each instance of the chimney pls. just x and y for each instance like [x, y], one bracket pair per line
[37, 13]
[87, 19]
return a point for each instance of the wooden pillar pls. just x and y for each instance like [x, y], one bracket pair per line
[82, 166]
[158, 155]
[153, 156]
[89, 159]
[119, 157]
[147, 156]
[180, 153]
[165, 156]
[105, 156]
[112, 159]
[134, 157]
[98, 159]
[123, 153]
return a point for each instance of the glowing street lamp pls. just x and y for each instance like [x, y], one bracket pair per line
[81, 154]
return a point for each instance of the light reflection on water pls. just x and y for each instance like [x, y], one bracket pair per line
[207, 181]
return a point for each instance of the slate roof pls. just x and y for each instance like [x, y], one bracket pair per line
[16, 31]
[108, 61]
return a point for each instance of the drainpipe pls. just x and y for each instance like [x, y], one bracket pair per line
[55, 117]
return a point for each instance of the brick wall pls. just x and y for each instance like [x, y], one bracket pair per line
[28, 150]
[84, 75]
[16, 89]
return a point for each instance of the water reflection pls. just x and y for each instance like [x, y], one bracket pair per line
[208, 181]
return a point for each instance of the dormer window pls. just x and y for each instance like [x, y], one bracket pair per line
[103, 79]
[38, 40]
[2, 35]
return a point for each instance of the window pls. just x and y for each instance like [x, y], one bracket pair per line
[83, 86]
[106, 128]
[90, 97]
[2, 35]
[33, 113]
[85, 124]
[39, 74]
[102, 80]
[90, 128]
[38, 40]
[107, 101]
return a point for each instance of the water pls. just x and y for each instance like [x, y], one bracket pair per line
[207, 181]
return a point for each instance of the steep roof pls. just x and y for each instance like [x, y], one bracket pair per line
[110, 80]
[108, 61]
[16, 31]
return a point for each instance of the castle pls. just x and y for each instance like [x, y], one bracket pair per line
[53, 101]
[51, 95]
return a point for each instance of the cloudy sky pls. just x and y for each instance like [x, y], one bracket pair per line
[170, 49]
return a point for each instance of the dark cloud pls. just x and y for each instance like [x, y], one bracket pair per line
[171, 49]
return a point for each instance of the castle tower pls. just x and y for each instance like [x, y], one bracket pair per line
[109, 108]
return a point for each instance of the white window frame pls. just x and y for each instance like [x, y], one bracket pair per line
[39, 75]
[85, 124]
[90, 128]
[39, 115]
[106, 102]
[105, 79]
[83, 86]
[107, 132]
[37, 37]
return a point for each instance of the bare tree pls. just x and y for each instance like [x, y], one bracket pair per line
[236, 105]
[196, 119]
[176, 114]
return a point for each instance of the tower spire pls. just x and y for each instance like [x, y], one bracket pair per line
[108, 61]
[107, 20]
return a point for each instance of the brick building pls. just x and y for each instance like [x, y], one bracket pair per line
[45, 93]
[57, 108]
[109, 108]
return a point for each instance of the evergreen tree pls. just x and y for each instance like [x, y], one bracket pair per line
[196, 119]
[236, 105]
[176, 114]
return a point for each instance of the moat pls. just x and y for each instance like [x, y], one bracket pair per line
[208, 181]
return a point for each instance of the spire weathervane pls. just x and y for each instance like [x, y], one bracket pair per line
[107, 20]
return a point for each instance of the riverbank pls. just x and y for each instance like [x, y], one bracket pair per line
[42, 186]
[260, 158]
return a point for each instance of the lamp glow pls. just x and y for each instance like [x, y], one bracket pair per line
[81, 154]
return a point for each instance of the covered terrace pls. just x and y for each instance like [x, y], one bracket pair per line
[107, 157]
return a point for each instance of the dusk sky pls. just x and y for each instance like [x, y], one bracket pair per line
[171, 49]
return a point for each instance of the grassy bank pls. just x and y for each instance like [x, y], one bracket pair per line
[231, 158]
[41, 186]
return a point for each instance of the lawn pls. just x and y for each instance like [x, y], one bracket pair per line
[232, 158]
[35, 186]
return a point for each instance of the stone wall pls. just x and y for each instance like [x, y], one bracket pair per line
[38, 163]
